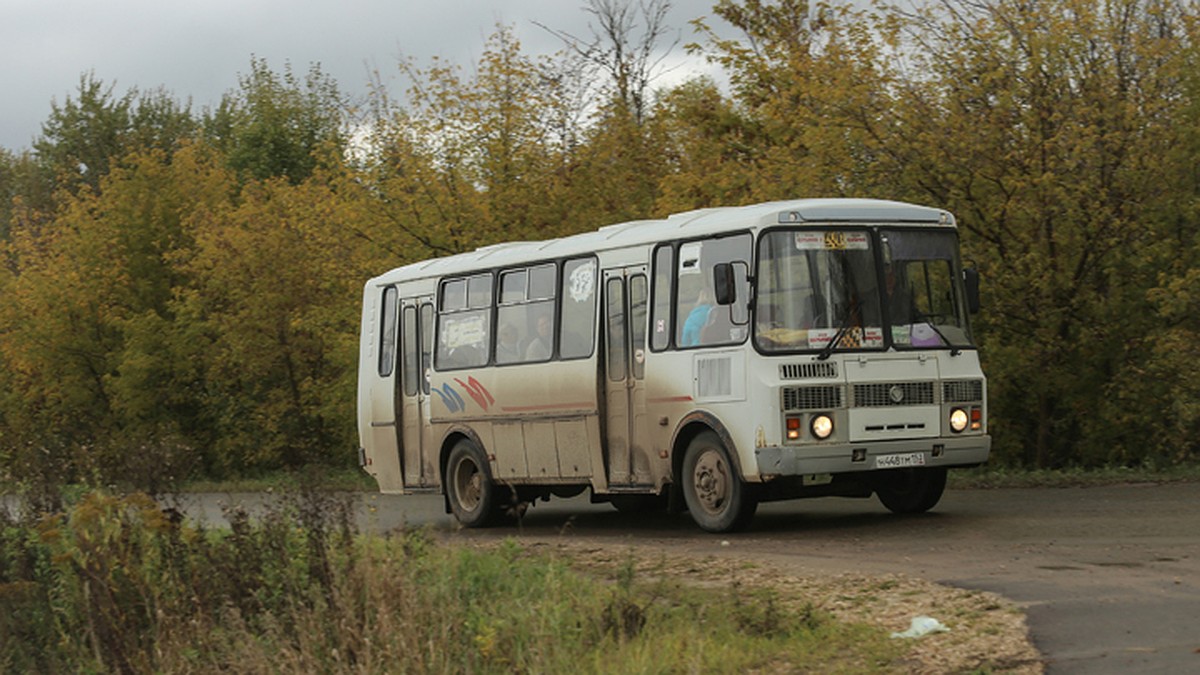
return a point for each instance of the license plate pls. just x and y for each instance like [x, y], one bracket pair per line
[900, 461]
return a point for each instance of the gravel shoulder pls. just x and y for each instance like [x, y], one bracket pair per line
[987, 633]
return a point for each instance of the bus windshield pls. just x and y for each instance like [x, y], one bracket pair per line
[923, 293]
[817, 290]
[826, 290]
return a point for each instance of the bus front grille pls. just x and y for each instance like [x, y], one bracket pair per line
[962, 391]
[884, 394]
[812, 398]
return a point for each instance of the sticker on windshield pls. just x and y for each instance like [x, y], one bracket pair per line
[852, 338]
[925, 335]
[832, 241]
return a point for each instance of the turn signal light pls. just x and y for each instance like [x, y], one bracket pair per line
[793, 428]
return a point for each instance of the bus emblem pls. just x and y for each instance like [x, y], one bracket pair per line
[896, 393]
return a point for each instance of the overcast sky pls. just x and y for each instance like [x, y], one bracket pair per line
[197, 49]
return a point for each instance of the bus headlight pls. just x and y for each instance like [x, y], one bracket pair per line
[958, 420]
[821, 426]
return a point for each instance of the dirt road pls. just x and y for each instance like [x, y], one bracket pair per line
[1109, 576]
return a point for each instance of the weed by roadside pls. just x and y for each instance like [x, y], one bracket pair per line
[119, 584]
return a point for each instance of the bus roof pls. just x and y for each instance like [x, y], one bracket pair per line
[686, 225]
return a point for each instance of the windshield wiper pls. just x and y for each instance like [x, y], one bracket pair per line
[918, 314]
[837, 337]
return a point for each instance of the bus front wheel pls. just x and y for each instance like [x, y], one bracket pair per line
[911, 490]
[716, 496]
[469, 486]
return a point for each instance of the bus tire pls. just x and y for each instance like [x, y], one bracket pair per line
[469, 487]
[716, 496]
[911, 490]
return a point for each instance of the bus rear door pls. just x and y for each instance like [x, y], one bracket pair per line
[419, 463]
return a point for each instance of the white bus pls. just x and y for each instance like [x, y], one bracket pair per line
[710, 361]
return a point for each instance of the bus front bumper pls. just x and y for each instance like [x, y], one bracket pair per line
[963, 451]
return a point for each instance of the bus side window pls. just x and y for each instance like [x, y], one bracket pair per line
[411, 373]
[426, 343]
[525, 317]
[512, 333]
[387, 336]
[699, 321]
[637, 324]
[464, 332]
[660, 330]
[577, 336]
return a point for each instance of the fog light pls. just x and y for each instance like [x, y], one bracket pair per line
[958, 420]
[821, 426]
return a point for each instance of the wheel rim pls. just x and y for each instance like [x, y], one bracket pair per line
[468, 484]
[712, 481]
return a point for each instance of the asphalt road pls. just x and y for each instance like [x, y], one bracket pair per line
[1109, 576]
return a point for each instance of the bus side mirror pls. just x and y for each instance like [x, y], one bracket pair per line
[971, 281]
[724, 285]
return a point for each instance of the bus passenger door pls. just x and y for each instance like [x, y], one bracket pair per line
[413, 394]
[383, 460]
[626, 431]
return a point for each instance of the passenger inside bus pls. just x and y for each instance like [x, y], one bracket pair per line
[697, 319]
[540, 348]
[508, 348]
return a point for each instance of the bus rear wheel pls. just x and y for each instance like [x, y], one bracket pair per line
[469, 486]
[911, 490]
[716, 496]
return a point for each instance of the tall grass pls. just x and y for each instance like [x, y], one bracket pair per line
[118, 584]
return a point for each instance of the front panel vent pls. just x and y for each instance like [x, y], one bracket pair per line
[962, 391]
[808, 371]
[883, 394]
[812, 398]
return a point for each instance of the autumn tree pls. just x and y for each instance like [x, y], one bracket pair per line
[23, 189]
[623, 54]
[623, 157]
[87, 132]
[808, 86]
[472, 160]
[1049, 127]
[270, 316]
[92, 389]
[278, 124]
[1057, 131]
